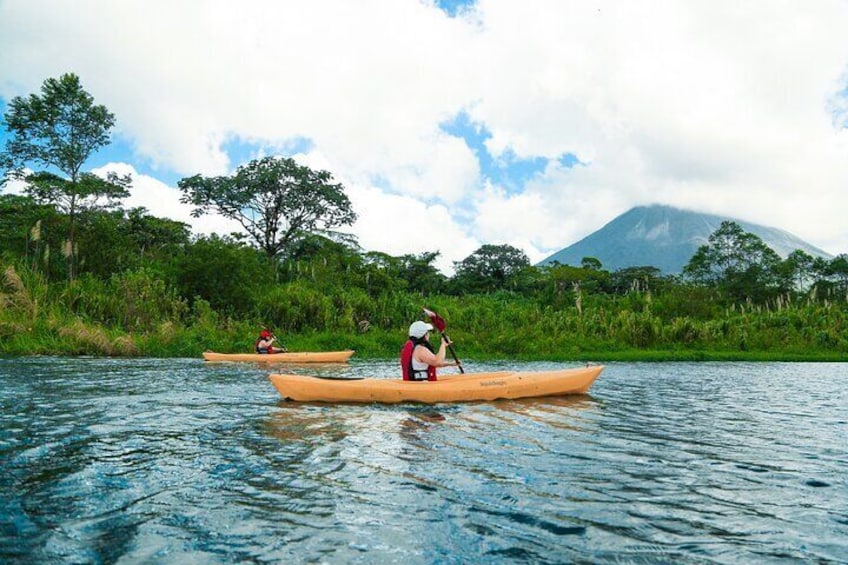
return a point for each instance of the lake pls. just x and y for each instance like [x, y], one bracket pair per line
[179, 461]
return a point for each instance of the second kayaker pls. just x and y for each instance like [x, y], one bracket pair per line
[418, 360]
[265, 343]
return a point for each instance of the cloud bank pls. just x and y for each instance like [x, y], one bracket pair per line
[723, 107]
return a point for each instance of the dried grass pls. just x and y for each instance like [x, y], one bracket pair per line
[166, 331]
[18, 293]
[91, 339]
[13, 281]
[125, 346]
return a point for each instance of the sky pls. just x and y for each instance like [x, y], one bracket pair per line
[455, 124]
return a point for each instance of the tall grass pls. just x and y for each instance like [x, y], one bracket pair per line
[136, 313]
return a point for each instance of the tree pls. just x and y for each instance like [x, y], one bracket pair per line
[328, 263]
[420, 273]
[591, 263]
[489, 268]
[636, 279]
[28, 229]
[274, 199]
[227, 274]
[737, 262]
[60, 130]
[835, 274]
[415, 273]
[149, 233]
[118, 240]
[799, 270]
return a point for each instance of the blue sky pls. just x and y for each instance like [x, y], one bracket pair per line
[455, 124]
[454, 7]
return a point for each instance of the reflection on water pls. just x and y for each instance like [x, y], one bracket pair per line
[180, 461]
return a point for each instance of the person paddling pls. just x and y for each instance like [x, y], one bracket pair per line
[265, 343]
[418, 360]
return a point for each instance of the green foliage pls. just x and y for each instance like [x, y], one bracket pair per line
[275, 200]
[113, 242]
[29, 230]
[60, 129]
[229, 276]
[145, 288]
[738, 263]
[414, 273]
[489, 268]
[296, 307]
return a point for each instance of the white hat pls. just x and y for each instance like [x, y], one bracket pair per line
[419, 328]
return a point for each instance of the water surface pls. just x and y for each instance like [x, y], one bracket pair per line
[178, 461]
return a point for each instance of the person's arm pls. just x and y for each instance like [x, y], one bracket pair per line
[424, 355]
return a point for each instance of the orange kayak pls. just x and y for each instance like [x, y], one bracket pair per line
[287, 357]
[449, 388]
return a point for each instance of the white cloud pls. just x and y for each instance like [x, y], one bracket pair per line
[163, 201]
[13, 186]
[720, 107]
[400, 225]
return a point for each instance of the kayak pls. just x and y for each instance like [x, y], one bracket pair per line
[287, 357]
[467, 387]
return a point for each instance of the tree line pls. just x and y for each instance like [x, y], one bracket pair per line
[83, 274]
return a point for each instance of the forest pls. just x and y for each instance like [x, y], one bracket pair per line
[82, 275]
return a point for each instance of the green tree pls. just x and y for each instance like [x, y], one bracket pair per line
[114, 241]
[59, 130]
[591, 263]
[799, 270]
[414, 273]
[27, 228]
[737, 262]
[835, 277]
[489, 268]
[563, 285]
[150, 234]
[274, 199]
[230, 276]
[637, 279]
[420, 274]
[328, 263]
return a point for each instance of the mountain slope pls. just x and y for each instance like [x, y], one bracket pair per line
[665, 237]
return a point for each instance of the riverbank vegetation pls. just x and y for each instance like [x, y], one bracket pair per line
[177, 295]
[81, 275]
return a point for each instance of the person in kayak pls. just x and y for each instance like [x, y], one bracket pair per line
[418, 360]
[265, 343]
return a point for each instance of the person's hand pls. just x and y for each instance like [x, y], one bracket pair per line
[446, 341]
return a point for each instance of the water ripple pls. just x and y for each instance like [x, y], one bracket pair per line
[180, 461]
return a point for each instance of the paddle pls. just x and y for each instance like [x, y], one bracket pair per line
[440, 325]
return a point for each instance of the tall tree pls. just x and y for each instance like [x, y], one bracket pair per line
[59, 130]
[836, 271]
[799, 270]
[489, 268]
[737, 262]
[276, 201]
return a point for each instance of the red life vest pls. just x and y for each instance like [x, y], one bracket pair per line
[406, 364]
[258, 349]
